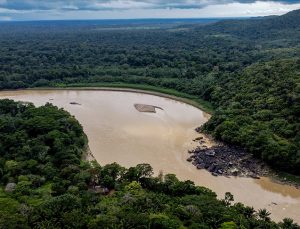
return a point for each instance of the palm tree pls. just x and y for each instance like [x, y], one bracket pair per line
[249, 212]
[228, 198]
[263, 214]
[288, 224]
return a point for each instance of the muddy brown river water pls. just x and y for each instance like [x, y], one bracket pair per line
[117, 132]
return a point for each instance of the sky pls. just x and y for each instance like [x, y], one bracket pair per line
[20, 10]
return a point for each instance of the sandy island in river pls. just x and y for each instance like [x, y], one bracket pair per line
[146, 108]
[117, 132]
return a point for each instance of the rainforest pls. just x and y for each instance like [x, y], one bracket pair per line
[244, 72]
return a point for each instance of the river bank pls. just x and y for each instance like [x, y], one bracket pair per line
[230, 161]
[117, 132]
[139, 88]
[223, 160]
[276, 176]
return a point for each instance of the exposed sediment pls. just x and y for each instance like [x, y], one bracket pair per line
[146, 108]
[223, 160]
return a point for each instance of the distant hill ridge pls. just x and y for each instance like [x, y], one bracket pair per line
[262, 27]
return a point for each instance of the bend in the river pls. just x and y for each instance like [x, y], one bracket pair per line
[117, 132]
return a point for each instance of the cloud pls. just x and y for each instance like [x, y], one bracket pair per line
[119, 4]
[106, 9]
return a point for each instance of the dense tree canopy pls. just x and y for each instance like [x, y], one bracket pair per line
[260, 110]
[248, 70]
[52, 187]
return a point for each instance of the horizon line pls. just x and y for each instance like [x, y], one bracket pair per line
[135, 19]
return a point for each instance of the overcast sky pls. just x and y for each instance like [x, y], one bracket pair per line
[119, 9]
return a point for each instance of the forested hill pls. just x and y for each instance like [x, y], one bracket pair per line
[262, 27]
[247, 69]
[259, 109]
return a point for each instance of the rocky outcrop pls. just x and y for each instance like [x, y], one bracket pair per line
[223, 160]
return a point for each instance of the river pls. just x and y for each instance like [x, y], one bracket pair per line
[117, 132]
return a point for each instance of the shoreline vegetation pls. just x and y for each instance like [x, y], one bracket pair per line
[206, 107]
[247, 69]
[276, 176]
[56, 187]
[141, 88]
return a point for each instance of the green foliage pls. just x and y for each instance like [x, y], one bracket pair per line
[247, 69]
[133, 188]
[65, 193]
[259, 110]
[228, 225]
[38, 144]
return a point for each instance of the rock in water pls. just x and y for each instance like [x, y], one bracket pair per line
[74, 103]
[189, 159]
